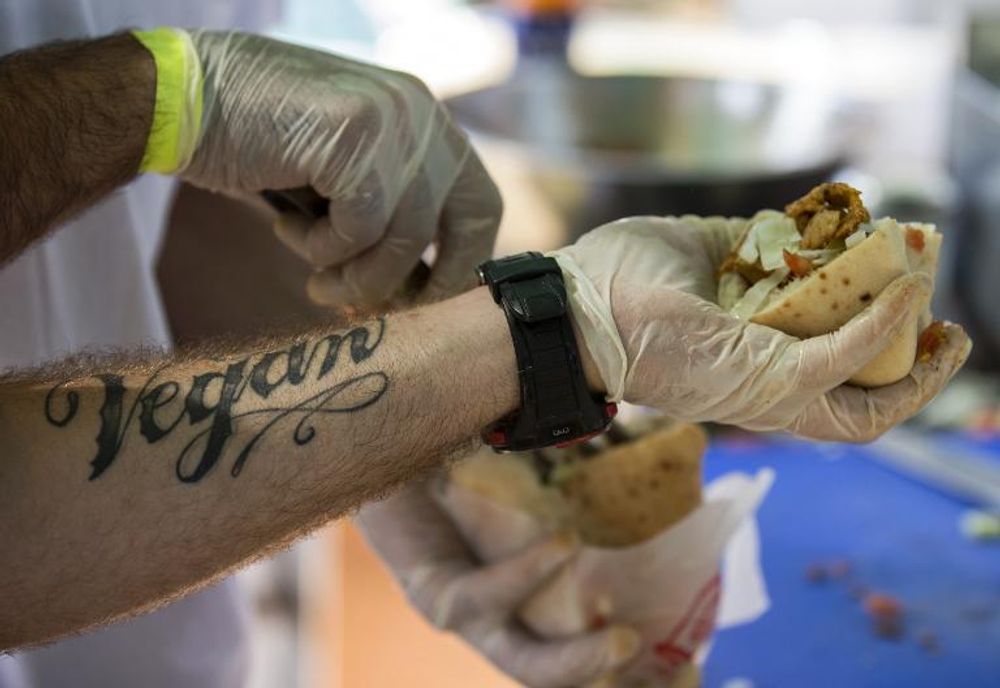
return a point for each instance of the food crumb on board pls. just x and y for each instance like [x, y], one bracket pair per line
[839, 568]
[820, 572]
[980, 525]
[886, 613]
[816, 573]
[858, 591]
[929, 642]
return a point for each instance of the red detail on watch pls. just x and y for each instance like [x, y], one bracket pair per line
[496, 438]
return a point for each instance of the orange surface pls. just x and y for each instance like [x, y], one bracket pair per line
[385, 644]
[543, 6]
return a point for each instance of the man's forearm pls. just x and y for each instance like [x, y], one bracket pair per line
[122, 487]
[74, 121]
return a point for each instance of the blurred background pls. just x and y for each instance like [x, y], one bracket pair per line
[591, 110]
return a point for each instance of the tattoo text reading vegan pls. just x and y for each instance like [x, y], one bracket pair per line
[212, 401]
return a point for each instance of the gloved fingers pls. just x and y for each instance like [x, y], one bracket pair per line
[358, 220]
[718, 234]
[853, 414]
[410, 530]
[563, 663]
[292, 229]
[378, 274]
[351, 226]
[470, 218]
[500, 587]
[828, 361]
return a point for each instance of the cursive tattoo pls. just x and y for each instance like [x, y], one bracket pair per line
[216, 400]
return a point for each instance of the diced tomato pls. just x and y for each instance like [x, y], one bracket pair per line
[915, 239]
[799, 266]
[930, 341]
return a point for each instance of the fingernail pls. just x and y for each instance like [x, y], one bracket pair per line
[946, 356]
[625, 643]
[951, 331]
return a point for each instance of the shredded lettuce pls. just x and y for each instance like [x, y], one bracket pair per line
[884, 223]
[854, 239]
[756, 295]
[818, 256]
[775, 235]
[748, 249]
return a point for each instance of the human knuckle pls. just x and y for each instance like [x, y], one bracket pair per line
[407, 83]
[409, 95]
[363, 110]
[319, 251]
[370, 116]
[414, 84]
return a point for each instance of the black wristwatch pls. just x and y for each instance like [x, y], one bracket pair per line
[557, 408]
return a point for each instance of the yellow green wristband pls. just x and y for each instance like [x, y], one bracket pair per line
[177, 113]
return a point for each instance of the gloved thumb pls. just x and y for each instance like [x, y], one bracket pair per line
[826, 362]
[499, 588]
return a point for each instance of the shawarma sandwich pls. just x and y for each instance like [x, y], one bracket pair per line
[810, 269]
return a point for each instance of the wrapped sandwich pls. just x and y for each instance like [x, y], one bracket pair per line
[617, 497]
[652, 541]
[808, 270]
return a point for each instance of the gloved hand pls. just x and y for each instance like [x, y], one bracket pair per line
[428, 557]
[399, 175]
[642, 294]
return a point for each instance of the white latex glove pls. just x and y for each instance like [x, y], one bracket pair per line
[642, 293]
[442, 579]
[398, 173]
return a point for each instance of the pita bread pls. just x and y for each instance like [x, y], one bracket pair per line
[633, 491]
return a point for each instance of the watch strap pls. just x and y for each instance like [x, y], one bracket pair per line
[556, 405]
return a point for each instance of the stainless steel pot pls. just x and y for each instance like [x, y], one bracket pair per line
[607, 147]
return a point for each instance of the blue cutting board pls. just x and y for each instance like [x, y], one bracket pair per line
[831, 502]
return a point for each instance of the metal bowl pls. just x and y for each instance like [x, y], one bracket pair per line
[607, 147]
